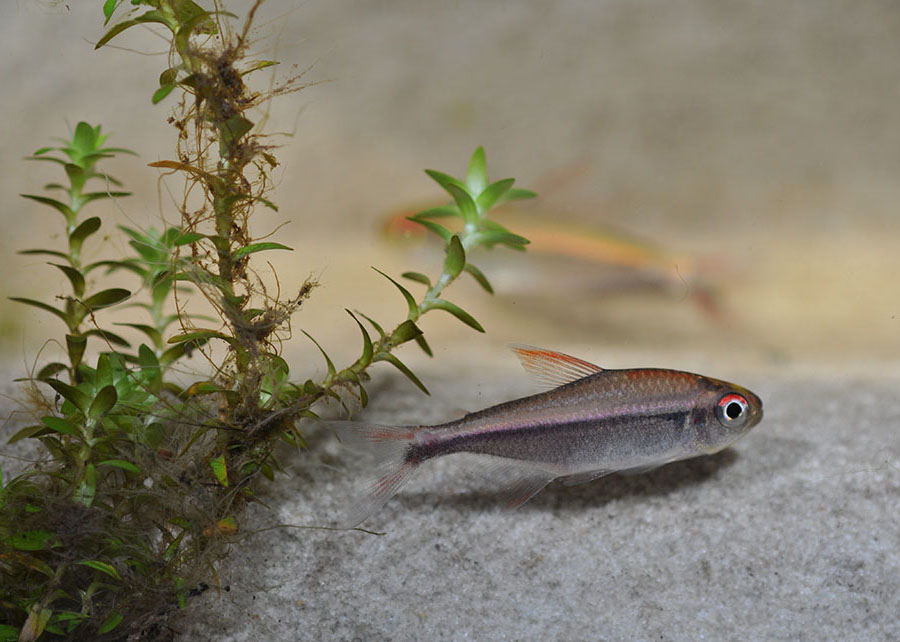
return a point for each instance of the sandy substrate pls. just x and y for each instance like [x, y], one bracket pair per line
[792, 535]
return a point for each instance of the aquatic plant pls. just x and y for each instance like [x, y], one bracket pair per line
[143, 482]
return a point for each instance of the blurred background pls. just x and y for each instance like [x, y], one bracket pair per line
[719, 181]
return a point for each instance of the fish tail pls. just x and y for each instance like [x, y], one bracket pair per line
[391, 447]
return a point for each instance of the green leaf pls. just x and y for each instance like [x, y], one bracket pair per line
[456, 258]
[106, 298]
[437, 228]
[62, 208]
[493, 193]
[404, 332]
[479, 276]
[410, 300]
[257, 65]
[50, 369]
[394, 361]
[197, 335]
[328, 362]
[476, 177]
[85, 140]
[111, 622]
[508, 239]
[259, 247]
[235, 127]
[108, 7]
[80, 233]
[28, 431]
[121, 463]
[103, 402]
[161, 93]
[186, 238]
[152, 333]
[106, 335]
[375, 325]
[90, 197]
[70, 394]
[60, 425]
[61, 255]
[516, 194]
[32, 540]
[87, 488]
[444, 211]
[8, 633]
[366, 356]
[422, 343]
[455, 310]
[219, 470]
[103, 567]
[43, 306]
[467, 208]
[75, 345]
[418, 277]
[75, 278]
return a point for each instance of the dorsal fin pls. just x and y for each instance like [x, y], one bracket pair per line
[553, 368]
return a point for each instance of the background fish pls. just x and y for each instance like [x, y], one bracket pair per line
[594, 422]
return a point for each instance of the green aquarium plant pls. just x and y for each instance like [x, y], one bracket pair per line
[143, 481]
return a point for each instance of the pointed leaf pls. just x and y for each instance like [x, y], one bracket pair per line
[410, 300]
[422, 343]
[50, 369]
[489, 239]
[417, 277]
[328, 363]
[104, 402]
[108, 7]
[75, 345]
[476, 177]
[62, 208]
[75, 278]
[111, 622]
[152, 333]
[444, 211]
[377, 327]
[455, 310]
[80, 233]
[219, 470]
[366, 356]
[70, 394]
[467, 208]
[394, 361]
[106, 298]
[103, 567]
[437, 228]
[43, 306]
[235, 127]
[120, 463]
[28, 431]
[479, 276]
[404, 332]
[60, 425]
[493, 193]
[259, 247]
[456, 258]
[162, 92]
[516, 194]
[60, 255]
[196, 335]
[107, 336]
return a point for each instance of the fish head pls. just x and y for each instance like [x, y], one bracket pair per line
[725, 413]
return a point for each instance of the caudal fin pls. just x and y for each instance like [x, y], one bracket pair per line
[389, 446]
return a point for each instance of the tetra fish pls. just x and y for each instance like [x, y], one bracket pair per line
[592, 423]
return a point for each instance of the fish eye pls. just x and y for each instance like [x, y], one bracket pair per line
[731, 410]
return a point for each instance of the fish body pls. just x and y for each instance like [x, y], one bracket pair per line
[592, 423]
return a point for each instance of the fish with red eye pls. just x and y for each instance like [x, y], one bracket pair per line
[593, 422]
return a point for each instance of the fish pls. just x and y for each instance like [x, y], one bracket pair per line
[591, 422]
